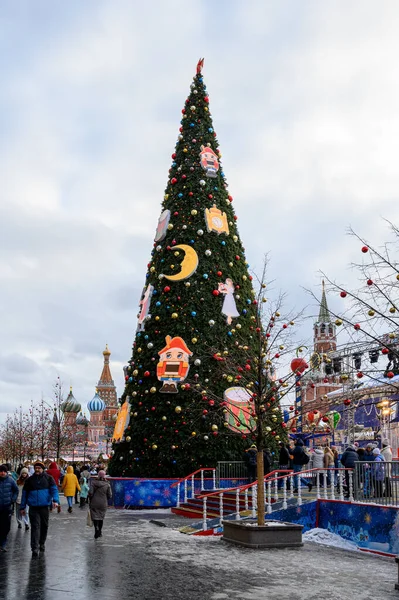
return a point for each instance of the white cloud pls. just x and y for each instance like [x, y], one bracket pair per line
[303, 97]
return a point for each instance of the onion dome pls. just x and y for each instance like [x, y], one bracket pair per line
[70, 405]
[81, 420]
[96, 404]
[106, 352]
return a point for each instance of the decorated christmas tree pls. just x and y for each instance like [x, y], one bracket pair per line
[181, 409]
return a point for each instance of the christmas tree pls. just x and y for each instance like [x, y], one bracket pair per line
[198, 309]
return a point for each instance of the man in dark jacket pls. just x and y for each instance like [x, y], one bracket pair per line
[348, 460]
[39, 493]
[251, 458]
[300, 459]
[8, 495]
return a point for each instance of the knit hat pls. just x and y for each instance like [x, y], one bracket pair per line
[39, 463]
[253, 446]
[3, 468]
[101, 474]
[24, 471]
[376, 451]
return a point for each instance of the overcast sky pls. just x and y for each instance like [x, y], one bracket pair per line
[304, 97]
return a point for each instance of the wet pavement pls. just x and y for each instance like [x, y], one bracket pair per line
[136, 559]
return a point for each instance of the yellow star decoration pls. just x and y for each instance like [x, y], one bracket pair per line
[367, 518]
[157, 503]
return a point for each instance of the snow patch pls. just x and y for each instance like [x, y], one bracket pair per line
[325, 537]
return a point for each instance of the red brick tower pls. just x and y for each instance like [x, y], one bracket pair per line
[107, 391]
[325, 374]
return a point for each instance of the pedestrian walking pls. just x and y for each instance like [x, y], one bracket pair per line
[84, 491]
[8, 496]
[100, 492]
[76, 471]
[70, 486]
[55, 472]
[39, 493]
[267, 461]
[23, 476]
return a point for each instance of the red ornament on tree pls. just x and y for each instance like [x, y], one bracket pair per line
[369, 282]
[390, 374]
[166, 289]
[299, 365]
[343, 294]
[365, 249]
[215, 292]
[356, 326]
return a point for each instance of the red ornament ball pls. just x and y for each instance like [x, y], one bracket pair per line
[369, 282]
[365, 249]
[390, 374]
[173, 180]
[359, 375]
[356, 326]
[166, 289]
[215, 292]
[147, 373]
[384, 351]
[343, 294]
[219, 273]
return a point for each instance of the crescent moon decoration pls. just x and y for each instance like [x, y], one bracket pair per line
[188, 265]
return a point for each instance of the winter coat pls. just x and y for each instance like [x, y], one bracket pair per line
[299, 454]
[55, 473]
[39, 490]
[70, 483]
[387, 454]
[267, 462]
[8, 492]
[378, 468]
[349, 458]
[318, 459]
[284, 457]
[100, 491]
[251, 456]
[84, 488]
[329, 459]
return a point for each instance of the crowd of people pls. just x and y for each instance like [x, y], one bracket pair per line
[32, 491]
[293, 456]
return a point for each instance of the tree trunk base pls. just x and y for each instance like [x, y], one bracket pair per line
[274, 534]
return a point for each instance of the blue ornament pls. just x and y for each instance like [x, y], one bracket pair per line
[173, 164]
[180, 195]
[244, 312]
[248, 301]
[140, 381]
[130, 379]
[139, 334]
[162, 260]
[215, 188]
[168, 308]
[158, 303]
[192, 124]
[223, 243]
[147, 419]
[193, 313]
[154, 292]
[210, 129]
[173, 462]
[205, 276]
[147, 275]
[229, 333]
[146, 337]
[192, 241]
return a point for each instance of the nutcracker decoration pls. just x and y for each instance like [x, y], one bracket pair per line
[173, 364]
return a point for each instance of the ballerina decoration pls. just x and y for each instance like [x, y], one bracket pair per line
[229, 307]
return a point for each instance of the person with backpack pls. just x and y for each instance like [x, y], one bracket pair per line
[251, 458]
[300, 458]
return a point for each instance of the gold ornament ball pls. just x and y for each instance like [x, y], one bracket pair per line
[139, 350]
[230, 264]
[235, 238]
[170, 226]
[154, 447]
[277, 314]
[244, 277]
[193, 433]
[157, 318]
[392, 336]
[178, 409]
[277, 437]
[371, 313]
[214, 427]
[263, 286]
[135, 372]
[166, 196]
[238, 326]
[225, 424]
[152, 270]
[135, 414]
[397, 276]
[153, 390]
[229, 378]
[225, 411]
[176, 253]
[194, 340]
[128, 438]
[268, 429]
[164, 418]
[338, 322]
[187, 284]
[184, 149]
[134, 394]
[194, 212]
[174, 315]
[392, 309]
[173, 447]
[264, 299]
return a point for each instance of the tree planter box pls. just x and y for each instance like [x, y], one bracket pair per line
[274, 534]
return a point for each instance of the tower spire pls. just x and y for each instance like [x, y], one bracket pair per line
[324, 313]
